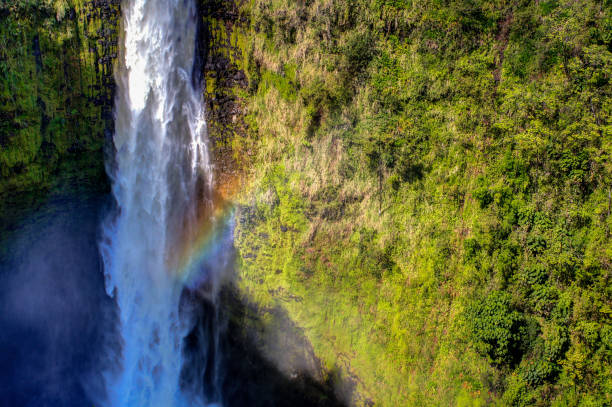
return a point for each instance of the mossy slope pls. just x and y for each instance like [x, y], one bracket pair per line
[56, 90]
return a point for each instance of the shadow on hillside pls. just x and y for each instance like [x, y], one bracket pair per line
[57, 323]
[244, 375]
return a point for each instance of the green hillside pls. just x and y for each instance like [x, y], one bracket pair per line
[430, 193]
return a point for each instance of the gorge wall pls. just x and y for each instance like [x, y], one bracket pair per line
[428, 194]
[423, 188]
[56, 98]
[57, 87]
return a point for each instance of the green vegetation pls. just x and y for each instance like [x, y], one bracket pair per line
[431, 192]
[431, 183]
[55, 89]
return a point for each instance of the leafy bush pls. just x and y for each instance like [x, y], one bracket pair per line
[499, 330]
[358, 52]
[483, 196]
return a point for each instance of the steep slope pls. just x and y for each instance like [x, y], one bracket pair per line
[56, 97]
[56, 90]
[430, 194]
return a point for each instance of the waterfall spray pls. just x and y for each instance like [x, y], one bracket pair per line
[162, 181]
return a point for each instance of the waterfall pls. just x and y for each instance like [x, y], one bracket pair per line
[161, 180]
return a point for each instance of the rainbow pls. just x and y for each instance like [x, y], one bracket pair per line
[213, 232]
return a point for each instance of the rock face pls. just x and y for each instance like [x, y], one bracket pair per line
[56, 92]
[56, 99]
[268, 359]
[429, 191]
[222, 34]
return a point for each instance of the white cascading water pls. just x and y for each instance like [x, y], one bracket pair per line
[160, 174]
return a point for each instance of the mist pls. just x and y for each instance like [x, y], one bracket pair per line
[54, 314]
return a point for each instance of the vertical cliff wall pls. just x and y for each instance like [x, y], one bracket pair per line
[223, 35]
[56, 90]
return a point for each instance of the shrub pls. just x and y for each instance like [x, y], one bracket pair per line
[498, 329]
[483, 196]
[358, 52]
[471, 247]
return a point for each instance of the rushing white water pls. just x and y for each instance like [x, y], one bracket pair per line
[161, 171]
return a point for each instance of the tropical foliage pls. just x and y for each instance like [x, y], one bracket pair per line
[431, 193]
